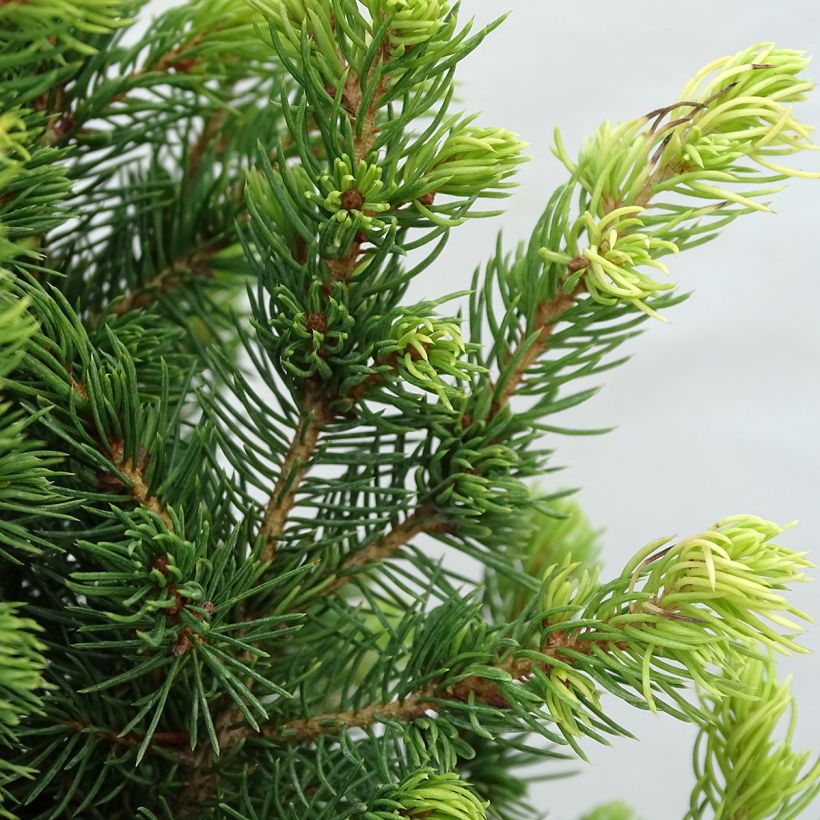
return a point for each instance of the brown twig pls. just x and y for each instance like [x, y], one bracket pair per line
[140, 493]
[170, 741]
[418, 522]
[334, 723]
[282, 499]
[168, 278]
[546, 318]
[430, 698]
[211, 129]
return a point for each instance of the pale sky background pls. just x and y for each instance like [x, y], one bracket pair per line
[719, 411]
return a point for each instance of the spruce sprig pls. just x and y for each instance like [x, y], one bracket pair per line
[227, 438]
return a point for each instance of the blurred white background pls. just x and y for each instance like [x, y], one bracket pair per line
[719, 412]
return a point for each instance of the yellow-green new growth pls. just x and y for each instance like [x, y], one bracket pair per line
[411, 22]
[690, 611]
[288, 18]
[216, 28]
[426, 795]
[12, 150]
[21, 684]
[475, 162]
[743, 770]
[566, 697]
[425, 348]
[12, 137]
[729, 578]
[717, 144]
[740, 106]
[21, 663]
[706, 599]
[611, 811]
[736, 109]
[609, 264]
[570, 585]
[295, 12]
[40, 19]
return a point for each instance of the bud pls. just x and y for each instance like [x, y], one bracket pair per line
[430, 796]
[354, 194]
[425, 348]
[311, 330]
[412, 22]
[479, 479]
[475, 162]
[609, 265]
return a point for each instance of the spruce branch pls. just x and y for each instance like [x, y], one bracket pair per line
[421, 520]
[199, 653]
[291, 474]
[701, 603]
[135, 479]
[528, 350]
[743, 769]
[170, 277]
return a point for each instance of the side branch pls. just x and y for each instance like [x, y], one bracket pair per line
[546, 317]
[390, 543]
[294, 467]
[334, 723]
[168, 278]
[425, 700]
[283, 496]
[136, 483]
[131, 471]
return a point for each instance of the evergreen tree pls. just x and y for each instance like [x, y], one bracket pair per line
[227, 441]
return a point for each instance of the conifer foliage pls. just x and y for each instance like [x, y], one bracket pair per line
[229, 443]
